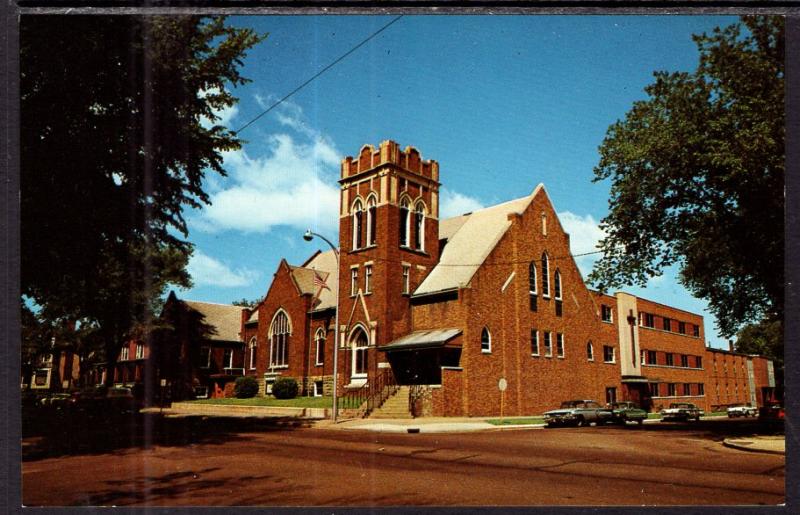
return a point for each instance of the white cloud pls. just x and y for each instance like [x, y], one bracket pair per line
[453, 203]
[292, 184]
[207, 271]
[584, 235]
[225, 114]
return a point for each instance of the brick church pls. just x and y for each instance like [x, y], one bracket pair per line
[457, 308]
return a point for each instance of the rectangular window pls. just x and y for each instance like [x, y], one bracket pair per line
[605, 313]
[548, 345]
[648, 320]
[318, 388]
[532, 285]
[611, 395]
[368, 279]
[559, 308]
[670, 359]
[534, 342]
[139, 351]
[684, 361]
[687, 389]
[123, 353]
[227, 360]
[701, 389]
[353, 281]
[560, 345]
[671, 390]
[533, 301]
[698, 362]
[667, 324]
[320, 354]
[651, 357]
[682, 327]
[608, 354]
[205, 357]
[696, 330]
[654, 391]
[406, 275]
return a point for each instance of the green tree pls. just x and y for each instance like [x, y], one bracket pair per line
[117, 134]
[697, 178]
[245, 303]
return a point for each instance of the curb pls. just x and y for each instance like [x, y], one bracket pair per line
[734, 445]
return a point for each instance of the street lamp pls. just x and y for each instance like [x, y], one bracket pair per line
[308, 236]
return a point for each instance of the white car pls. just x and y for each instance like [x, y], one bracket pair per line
[742, 411]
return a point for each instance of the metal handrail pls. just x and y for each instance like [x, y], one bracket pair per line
[372, 394]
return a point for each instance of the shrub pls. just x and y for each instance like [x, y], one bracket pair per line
[245, 387]
[285, 388]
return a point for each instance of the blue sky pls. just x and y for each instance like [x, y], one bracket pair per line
[501, 102]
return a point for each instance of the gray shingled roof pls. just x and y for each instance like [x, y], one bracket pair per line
[323, 263]
[470, 239]
[225, 318]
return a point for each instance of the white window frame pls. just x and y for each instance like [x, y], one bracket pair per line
[253, 349]
[560, 345]
[353, 281]
[371, 220]
[139, 351]
[613, 354]
[227, 358]
[557, 287]
[486, 343]
[358, 208]
[405, 205]
[534, 342]
[124, 353]
[280, 331]
[589, 351]
[545, 276]
[359, 349]
[603, 309]
[406, 279]
[207, 350]
[367, 278]
[548, 344]
[419, 224]
[319, 339]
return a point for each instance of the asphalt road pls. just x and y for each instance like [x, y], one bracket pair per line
[267, 465]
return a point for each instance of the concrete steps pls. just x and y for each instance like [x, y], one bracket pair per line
[395, 406]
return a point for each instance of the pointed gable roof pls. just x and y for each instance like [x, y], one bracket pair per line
[324, 264]
[470, 239]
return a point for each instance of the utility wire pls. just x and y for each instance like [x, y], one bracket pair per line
[331, 65]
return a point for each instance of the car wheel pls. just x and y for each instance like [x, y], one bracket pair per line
[580, 422]
[640, 421]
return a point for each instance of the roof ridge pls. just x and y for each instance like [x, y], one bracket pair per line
[211, 303]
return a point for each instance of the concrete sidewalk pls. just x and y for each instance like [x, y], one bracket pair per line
[423, 425]
[766, 444]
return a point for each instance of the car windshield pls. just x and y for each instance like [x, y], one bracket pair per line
[570, 404]
[679, 405]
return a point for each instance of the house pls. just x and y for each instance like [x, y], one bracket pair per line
[481, 314]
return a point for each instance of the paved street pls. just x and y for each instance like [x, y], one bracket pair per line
[275, 465]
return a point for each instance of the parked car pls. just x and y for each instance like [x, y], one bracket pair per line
[576, 413]
[681, 411]
[741, 411]
[624, 412]
[105, 402]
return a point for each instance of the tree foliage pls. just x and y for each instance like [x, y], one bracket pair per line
[697, 178]
[117, 134]
[246, 303]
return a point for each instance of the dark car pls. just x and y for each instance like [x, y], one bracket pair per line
[112, 401]
[624, 412]
[771, 414]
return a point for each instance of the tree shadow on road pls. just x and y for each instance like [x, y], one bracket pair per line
[84, 434]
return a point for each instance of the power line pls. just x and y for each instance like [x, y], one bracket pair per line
[331, 65]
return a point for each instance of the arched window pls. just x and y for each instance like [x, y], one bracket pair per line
[590, 351]
[545, 276]
[279, 333]
[532, 285]
[557, 284]
[319, 339]
[360, 346]
[419, 226]
[372, 221]
[404, 222]
[253, 348]
[358, 220]
[486, 341]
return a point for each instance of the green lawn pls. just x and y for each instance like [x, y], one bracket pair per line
[515, 421]
[297, 402]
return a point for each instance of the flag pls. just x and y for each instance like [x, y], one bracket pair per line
[319, 281]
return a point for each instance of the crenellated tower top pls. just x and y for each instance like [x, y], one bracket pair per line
[388, 152]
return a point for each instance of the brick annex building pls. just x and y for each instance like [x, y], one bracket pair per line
[454, 305]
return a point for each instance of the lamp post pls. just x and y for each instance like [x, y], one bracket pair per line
[308, 236]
